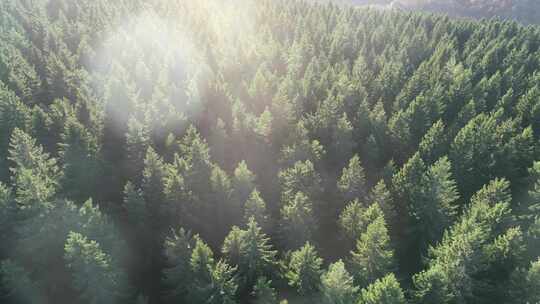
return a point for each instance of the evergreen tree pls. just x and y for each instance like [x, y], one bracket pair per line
[433, 144]
[435, 209]
[137, 144]
[8, 211]
[302, 177]
[256, 207]
[178, 250]
[298, 222]
[337, 285]
[223, 286]
[352, 183]
[352, 220]
[81, 167]
[95, 275]
[251, 251]
[476, 244]
[17, 284]
[201, 262]
[383, 291]
[382, 197]
[263, 293]
[35, 174]
[13, 114]
[373, 256]
[304, 270]
[302, 148]
[243, 183]
[533, 283]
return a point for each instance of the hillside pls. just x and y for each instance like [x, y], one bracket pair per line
[265, 152]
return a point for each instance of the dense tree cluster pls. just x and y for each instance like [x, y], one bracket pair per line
[525, 11]
[267, 151]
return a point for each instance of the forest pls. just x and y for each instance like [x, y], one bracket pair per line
[525, 11]
[266, 152]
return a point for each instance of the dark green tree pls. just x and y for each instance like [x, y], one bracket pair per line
[352, 183]
[373, 256]
[384, 291]
[79, 153]
[337, 285]
[304, 270]
[298, 221]
[95, 275]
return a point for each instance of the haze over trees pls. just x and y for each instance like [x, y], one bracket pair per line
[266, 151]
[525, 11]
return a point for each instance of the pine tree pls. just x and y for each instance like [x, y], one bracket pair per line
[373, 257]
[13, 114]
[256, 207]
[178, 249]
[8, 211]
[95, 275]
[157, 218]
[35, 174]
[302, 177]
[337, 285]
[17, 284]
[533, 283]
[304, 270]
[211, 282]
[352, 183]
[352, 220]
[435, 209]
[298, 222]
[383, 291]
[477, 244]
[219, 207]
[81, 167]
[137, 144]
[263, 292]
[381, 196]
[135, 205]
[251, 251]
[472, 154]
[433, 144]
[243, 183]
[201, 261]
[223, 286]
[302, 148]
[196, 167]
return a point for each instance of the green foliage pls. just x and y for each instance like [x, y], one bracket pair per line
[352, 183]
[304, 270]
[298, 221]
[79, 154]
[243, 183]
[337, 285]
[383, 291]
[137, 144]
[477, 245]
[373, 256]
[201, 261]
[263, 293]
[18, 285]
[352, 220]
[95, 275]
[178, 250]
[35, 174]
[251, 251]
[13, 114]
[302, 177]
[122, 121]
[256, 207]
